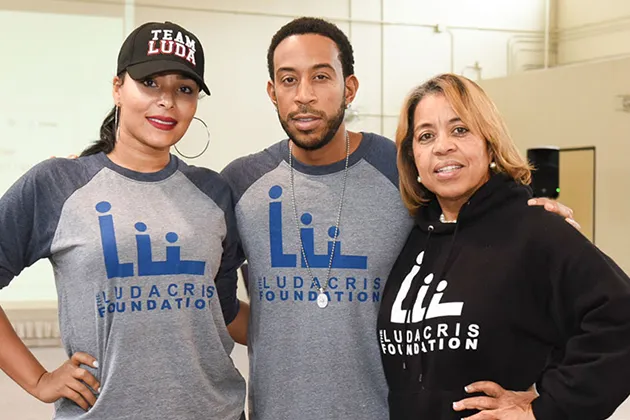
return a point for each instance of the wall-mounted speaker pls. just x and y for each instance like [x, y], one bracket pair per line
[546, 174]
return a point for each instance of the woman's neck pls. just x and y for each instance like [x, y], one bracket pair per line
[139, 158]
[451, 208]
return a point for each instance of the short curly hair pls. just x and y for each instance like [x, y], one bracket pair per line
[311, 25]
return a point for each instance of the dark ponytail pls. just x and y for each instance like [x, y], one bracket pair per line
[108, 131]
[107, 136]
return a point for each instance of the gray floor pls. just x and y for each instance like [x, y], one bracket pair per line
[15, 404]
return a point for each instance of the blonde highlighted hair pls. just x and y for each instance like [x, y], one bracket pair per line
[477, 111]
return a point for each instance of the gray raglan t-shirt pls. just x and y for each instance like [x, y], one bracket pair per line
[145, 269]
[309, 363]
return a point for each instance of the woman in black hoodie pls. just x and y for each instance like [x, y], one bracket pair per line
[494, 309]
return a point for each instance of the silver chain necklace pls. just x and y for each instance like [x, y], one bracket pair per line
[322, 299]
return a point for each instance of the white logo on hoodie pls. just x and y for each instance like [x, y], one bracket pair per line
[436, 308]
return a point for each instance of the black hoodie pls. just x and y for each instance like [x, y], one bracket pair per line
[513, 294]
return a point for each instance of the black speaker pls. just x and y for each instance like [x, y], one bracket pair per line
[546, 174]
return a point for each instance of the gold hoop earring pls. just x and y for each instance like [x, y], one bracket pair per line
[206, 146]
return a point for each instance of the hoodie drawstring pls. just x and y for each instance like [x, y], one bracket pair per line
[439, 278]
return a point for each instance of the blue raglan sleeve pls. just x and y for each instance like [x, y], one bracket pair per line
[29, 212]
[227, 277]
[217, 189]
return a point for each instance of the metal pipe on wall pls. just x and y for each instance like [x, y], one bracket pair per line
[595, 59]
[130, 17]
[595, 25]
[512, 42]
[547, 31]
[477, 69]
[527, 67]
[516, 48]
[605, 27]
[514, 53]
[350, 20]
[452, 48]
[382, 108]
[604, 30]
[499, 30]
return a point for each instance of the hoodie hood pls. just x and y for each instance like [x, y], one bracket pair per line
[500, 188]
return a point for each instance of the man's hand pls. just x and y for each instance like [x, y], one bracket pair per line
[556, 207]
[500, 404]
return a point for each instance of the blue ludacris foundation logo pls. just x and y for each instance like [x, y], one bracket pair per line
[146, 266]
[307, 234]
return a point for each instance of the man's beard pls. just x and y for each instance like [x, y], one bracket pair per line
[332, 127]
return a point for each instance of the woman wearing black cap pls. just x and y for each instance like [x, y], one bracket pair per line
[144, 251]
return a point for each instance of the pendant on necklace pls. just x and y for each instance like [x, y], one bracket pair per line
[322, 300]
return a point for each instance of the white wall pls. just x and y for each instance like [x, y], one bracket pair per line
[55, 92]
[589, 30]
[395, 41]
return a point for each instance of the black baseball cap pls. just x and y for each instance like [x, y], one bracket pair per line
[156, 47]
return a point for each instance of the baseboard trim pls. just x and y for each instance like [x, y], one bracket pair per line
[36, 327]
